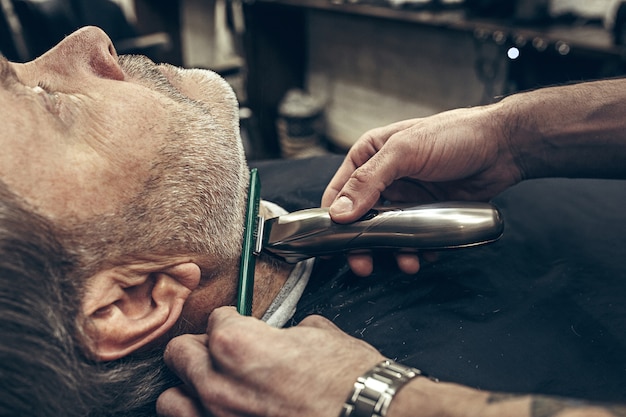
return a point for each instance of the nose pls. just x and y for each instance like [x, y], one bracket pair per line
[87, 52]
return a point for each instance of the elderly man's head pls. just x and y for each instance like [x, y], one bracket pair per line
[140, 169]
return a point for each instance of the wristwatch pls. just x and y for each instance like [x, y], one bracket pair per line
[374, 390]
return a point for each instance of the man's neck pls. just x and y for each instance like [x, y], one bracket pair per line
[269, 277]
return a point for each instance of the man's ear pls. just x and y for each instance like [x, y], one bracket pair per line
[129, 309]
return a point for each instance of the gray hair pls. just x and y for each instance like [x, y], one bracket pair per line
[40, 370]
[43, 368]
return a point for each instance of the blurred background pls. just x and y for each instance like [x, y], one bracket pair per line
[313, 75]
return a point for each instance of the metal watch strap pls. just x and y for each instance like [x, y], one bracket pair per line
[374, 390]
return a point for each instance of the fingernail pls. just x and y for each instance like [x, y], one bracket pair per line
[342, 205]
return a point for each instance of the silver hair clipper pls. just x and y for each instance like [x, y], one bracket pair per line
[307, 233]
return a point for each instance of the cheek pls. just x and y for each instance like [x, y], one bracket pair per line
[73, 183]
[46, 175]
[109, 162]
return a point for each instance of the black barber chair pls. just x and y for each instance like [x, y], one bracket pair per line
[34, 26]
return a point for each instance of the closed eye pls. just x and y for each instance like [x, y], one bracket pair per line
[44, 86]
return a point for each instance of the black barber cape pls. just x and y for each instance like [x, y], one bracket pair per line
[543, 310]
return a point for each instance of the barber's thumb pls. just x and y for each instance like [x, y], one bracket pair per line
[221, 315]
[346, 208]
[341, 207]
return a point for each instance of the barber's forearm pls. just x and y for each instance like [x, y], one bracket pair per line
[571, 131]
[425, 398]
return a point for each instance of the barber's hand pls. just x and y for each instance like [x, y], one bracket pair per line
[456, 155]
[243, 367]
